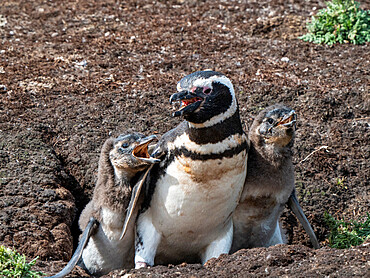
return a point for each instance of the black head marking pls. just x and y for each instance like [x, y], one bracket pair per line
[219, 101]
[204, 95]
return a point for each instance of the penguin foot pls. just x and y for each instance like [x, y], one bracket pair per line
[139, 265]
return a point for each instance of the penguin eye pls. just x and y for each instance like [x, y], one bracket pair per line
[125, 145]
[207, 91]
[270, 121]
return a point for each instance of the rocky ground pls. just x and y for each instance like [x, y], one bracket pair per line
[73, 73]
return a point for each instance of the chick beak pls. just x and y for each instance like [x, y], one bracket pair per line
[140, 152]
[288, 120]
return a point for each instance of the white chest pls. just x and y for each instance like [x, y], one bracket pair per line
[198, 196]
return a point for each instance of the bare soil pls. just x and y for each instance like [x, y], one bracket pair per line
[75, 72]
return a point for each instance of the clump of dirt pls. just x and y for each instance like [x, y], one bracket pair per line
[276, 261]
[37, 210]
[73, 74]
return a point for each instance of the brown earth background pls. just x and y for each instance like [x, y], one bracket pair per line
[75, 72]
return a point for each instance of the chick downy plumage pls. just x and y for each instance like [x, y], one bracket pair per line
[121, 162]
[270, 179]
[101, 247]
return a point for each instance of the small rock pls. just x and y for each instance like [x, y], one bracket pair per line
[82, 63]
[3, 21]
[3, 89]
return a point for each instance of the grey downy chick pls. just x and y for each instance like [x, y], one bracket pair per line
[120, 164]
[270, 179]
[122, 161]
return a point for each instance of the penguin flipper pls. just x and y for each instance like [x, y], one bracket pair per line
[294, 206]
[133, 205]
[90, 229]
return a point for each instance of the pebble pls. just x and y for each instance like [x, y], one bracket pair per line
[3, 88]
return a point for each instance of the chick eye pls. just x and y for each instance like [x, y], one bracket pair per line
[124, 145]
[270, 121]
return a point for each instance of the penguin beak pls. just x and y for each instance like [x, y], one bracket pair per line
[288, 120]
[189, 101]
[140, 152]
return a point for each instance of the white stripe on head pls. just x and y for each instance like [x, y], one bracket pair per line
[178, 87]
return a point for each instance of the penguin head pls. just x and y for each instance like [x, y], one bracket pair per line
[275, 125]
[204, 96]
[130, 153]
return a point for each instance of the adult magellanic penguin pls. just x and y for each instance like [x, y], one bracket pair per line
[193, 191]
[270, 181]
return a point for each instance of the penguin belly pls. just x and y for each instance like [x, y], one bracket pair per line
[193, 203]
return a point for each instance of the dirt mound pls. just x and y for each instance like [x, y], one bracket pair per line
[36, 208]
[276, 261]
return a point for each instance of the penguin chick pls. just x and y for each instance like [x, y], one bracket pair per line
[270, 179]
[120, 165]
[193, 191]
